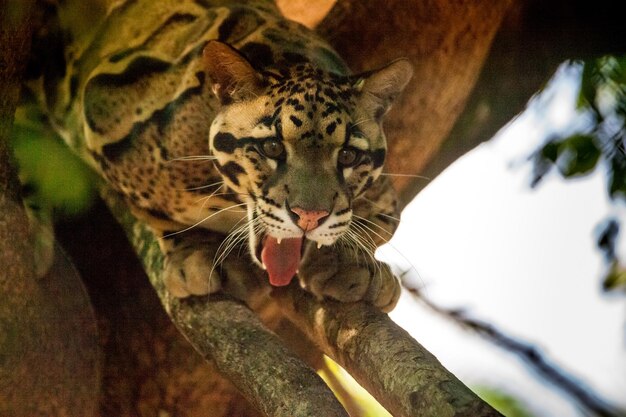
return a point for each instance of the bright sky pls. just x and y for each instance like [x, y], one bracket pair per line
[523, 259]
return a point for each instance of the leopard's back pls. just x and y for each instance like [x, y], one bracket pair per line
[135, 102]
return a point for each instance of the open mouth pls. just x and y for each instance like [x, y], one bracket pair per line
[280, 257]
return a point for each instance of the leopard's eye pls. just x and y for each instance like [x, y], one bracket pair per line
[273, 148]
[348, 157]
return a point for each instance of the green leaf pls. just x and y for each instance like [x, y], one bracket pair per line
[588, 87]
[617, 174]
[550, 151]
[577, 155]
[615, 278]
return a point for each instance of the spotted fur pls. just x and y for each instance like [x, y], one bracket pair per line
[223, 114]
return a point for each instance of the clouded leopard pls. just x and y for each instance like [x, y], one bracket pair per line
[225, 117]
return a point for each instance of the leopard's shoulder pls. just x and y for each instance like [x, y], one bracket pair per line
[135, 102]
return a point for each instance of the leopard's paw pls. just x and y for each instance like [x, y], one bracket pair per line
[191, 272]
[338, 274]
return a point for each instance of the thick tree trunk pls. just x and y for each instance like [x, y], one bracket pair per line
[48, 350]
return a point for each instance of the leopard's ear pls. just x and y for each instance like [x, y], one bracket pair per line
[231, 74]
[379, 88]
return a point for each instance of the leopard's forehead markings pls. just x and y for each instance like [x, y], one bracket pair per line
[310, 104]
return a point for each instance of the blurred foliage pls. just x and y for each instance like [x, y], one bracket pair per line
[504, 403]
[603, 97]
[615, 276]
[602, 145]
[55, 182]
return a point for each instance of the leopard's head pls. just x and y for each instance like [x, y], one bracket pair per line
[300, 144]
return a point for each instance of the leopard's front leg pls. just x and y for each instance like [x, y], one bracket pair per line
[190, 266]
[337, 272]
[349, 272]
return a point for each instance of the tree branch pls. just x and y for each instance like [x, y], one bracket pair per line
[270, 376]
[406, 378]
[225, 331]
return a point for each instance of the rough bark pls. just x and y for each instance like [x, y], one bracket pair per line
[231, 336]
[446, 41]
[402, 374]
[148, 367]
[404, 377]
[48, 366]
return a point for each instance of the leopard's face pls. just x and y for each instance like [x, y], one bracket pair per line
[299, 151]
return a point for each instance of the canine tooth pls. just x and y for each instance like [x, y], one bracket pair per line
[280, 239]
[263, 266]
[319, 245]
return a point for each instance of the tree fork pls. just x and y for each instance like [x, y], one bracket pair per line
[404, 376]
[228, 333]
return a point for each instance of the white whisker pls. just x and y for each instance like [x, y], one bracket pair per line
[234, 239]
[237, 230]
[214, 194]
[380, 207]
[362, 242]
[388, 174]
[373, 223]
[201, 186]
[193, 158]
[365, 229]
[389, 217]
[201, 221]
[368, 230]
[360, 121]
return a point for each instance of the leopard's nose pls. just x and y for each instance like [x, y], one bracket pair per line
[309, 219]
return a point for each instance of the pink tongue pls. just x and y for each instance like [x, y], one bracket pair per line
[282, 260]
